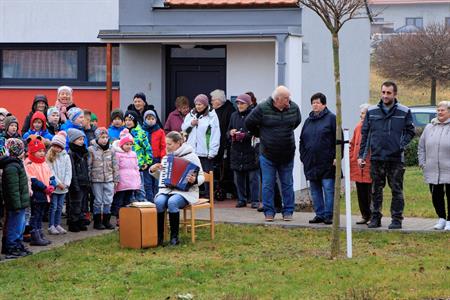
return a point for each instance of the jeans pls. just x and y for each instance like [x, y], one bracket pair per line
[438, 196]
[155, 182]
[145, 193]
[240, 180]
[15, 226]
[56, 206]
[121, 199]
[37, 214]
[269, 169]
[103, 193]
[323, 206]
[172, 203]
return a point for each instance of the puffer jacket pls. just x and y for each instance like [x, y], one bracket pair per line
[41, 177]
[157, 138]
[205, 137]
[62, 170]
[142, 147]
[15, 184]
[130, 179]
[102, 164]
[191, 195]
[434, 152]
[80, 170]
[114, 132]
[356, 173]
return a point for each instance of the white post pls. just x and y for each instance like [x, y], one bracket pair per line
[348, 205]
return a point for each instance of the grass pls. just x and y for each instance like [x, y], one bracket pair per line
[417, 197]
[244, 262]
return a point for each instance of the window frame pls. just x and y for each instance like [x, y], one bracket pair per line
[82, 67]
[447, 21]
[415, 21]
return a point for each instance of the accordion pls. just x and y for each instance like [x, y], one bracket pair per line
[175, 172]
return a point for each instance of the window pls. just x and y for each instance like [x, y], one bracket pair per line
[378, 20]
[418, 22]
[51, 64]
[447, 22]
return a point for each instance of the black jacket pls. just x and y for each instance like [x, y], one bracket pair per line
[15, 184]
[141, 115]
[80, 171]
[224, 114]
[318, 145]
[386, 134]
[26, 123]
[276, 129]
[243, 157]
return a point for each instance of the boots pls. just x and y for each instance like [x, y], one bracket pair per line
[82, 225]
[160, 218]
[374, 222]
[98, 222]
[106, 221]
[36, 239]
[43, 237]
[174, 219]
[73, 227]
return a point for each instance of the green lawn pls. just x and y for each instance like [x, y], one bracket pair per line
[244, 262]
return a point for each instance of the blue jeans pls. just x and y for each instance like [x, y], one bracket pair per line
[155, 182]
[240, 181]
[323, 206]
[145, 193]
[172, 203]
[15, 226]
[269, 170]
[55, 211]
[37, 214]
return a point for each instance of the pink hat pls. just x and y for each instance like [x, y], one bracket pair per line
[125, 137]
[202, 98]
[60, 139]
[244, 98]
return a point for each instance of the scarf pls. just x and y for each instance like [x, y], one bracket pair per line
[62, 107]
[35, 159]
[81, 150]
[201, 113]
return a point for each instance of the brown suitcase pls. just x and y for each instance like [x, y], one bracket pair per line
[138, 227]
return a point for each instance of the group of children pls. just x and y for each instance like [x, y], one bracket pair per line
[64, 158]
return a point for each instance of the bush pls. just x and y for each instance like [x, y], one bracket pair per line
[411, 158]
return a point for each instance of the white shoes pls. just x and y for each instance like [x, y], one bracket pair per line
[447, 226]
[442, 224]
[52, 230]
[60, 229]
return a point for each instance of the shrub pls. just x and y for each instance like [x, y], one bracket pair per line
[411, 158]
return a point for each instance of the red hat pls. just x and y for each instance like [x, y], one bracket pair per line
[38, 116]
[35, 144]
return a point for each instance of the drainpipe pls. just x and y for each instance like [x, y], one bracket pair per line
[281, 58]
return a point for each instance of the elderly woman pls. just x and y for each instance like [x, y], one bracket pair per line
[172, 199]
[434, 158]
[361, 176]
[176, 117]
[140, 106]
[64, 102]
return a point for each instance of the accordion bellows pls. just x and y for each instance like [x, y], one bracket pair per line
[175, 172]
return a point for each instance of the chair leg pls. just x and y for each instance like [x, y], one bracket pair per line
[166, 227]
[193, 225]
[184, 221]
[211, 219]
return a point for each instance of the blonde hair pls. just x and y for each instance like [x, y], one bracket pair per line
[175, 136]
[444, 104]
[51, 155]
[364, 107]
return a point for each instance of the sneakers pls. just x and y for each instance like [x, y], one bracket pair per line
[395, 224]
[447, 226]
[255, 205]
[440, 224]
[52, 230]
[287, 218]
[316, 220]
[328, 221]
[241, 204]
[362, 221]
[374, 223]
[269, 218]
[60, 229]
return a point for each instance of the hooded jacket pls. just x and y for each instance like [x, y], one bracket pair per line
[62, 170]
[130, 178]
[141, 146]
[43, 132]
[27, 123]
[157, 140]
[15, 184]
[102, 164]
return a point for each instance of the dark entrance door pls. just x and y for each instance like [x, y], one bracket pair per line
[190, 72]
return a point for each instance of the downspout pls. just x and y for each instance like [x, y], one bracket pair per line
[281, 58]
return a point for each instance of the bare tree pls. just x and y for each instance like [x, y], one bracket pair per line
[418, 58]
[334, 14]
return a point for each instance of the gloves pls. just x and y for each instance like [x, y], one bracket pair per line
[49, 190]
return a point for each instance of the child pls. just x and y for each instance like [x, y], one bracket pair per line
[144, 154]
[59, 162]
[43, 185]
[94, 120]
[53, 120]
[79, 186]
[75, 120]
[3, 114]
[11, 128]
[157, 139]
[89, 130]
[17, 199]
[38, 127]
[104, 175]
[130, 179]
[116, 125]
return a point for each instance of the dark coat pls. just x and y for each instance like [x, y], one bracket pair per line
[80, 169]
[141, 115]
[15, 184]
[26, 123]
[53, 130]
[386, 134]
[318, 145]
[243, 156]
[224, 114]
[276, 129]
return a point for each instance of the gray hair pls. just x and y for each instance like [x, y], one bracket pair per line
[279, 90]
[364, 107]
[65, 88]
[444, 104]
[218, 94]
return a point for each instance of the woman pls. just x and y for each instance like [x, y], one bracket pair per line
[434, 159]
[176, 117]
[64, 102]
[140, 106]
[172, 199]
[361, 176]
[40, 103]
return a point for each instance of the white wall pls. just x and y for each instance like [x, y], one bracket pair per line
[251, 67]
[59, 21]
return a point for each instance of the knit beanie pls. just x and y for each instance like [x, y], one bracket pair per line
[15, 147]
[74, 134]
[3, 111]
[149, 113]
[52, 110]
[99, 131]
[74, 113]
[244, 98]
[35, 144]
[117, 113]
[60, 139]
[202, 98]
[125, 137]
[11, 120]
[132, 115]
[65, 88]
[94, 117]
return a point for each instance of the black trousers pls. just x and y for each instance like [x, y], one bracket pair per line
[75, 201]
[438, 196]
[364, 192]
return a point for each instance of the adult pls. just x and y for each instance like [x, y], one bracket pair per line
[176, 117]
[172, 199]
[140, 106]
[387, 130]
[40, 103]
[434, 158]
[317, 153]
[64, 102]
[361, 176]
[254, 101]
[275, 120]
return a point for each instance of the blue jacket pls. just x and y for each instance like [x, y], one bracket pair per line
[39, 187]
[43, 133]
[386, 134]
[114, 132]
[66, 126]
[318, 145]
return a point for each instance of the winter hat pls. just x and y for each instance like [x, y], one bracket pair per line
[94, 117]
[125, 137]
[244, 98]
[74, 113]
[15, 147]
[149, 113]
[202, 98]
[60, 139]
[117, 113]
[99, 131]
[40, 98]
[65, 88]
[11, 120]
[142, 96]
[52, 110]
[74, 134]
[39, 116]
[132, 115]
[35, 144]
[3, 111]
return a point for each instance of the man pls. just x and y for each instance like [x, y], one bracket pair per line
[275, 120]
[387, 130]
[317, 153]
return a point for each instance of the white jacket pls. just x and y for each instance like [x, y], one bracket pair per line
[62, 170]
[197, 135]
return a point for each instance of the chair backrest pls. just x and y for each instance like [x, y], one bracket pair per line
[209, 178]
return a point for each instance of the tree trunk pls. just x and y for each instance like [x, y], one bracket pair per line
[337, 187]
[433, 92]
